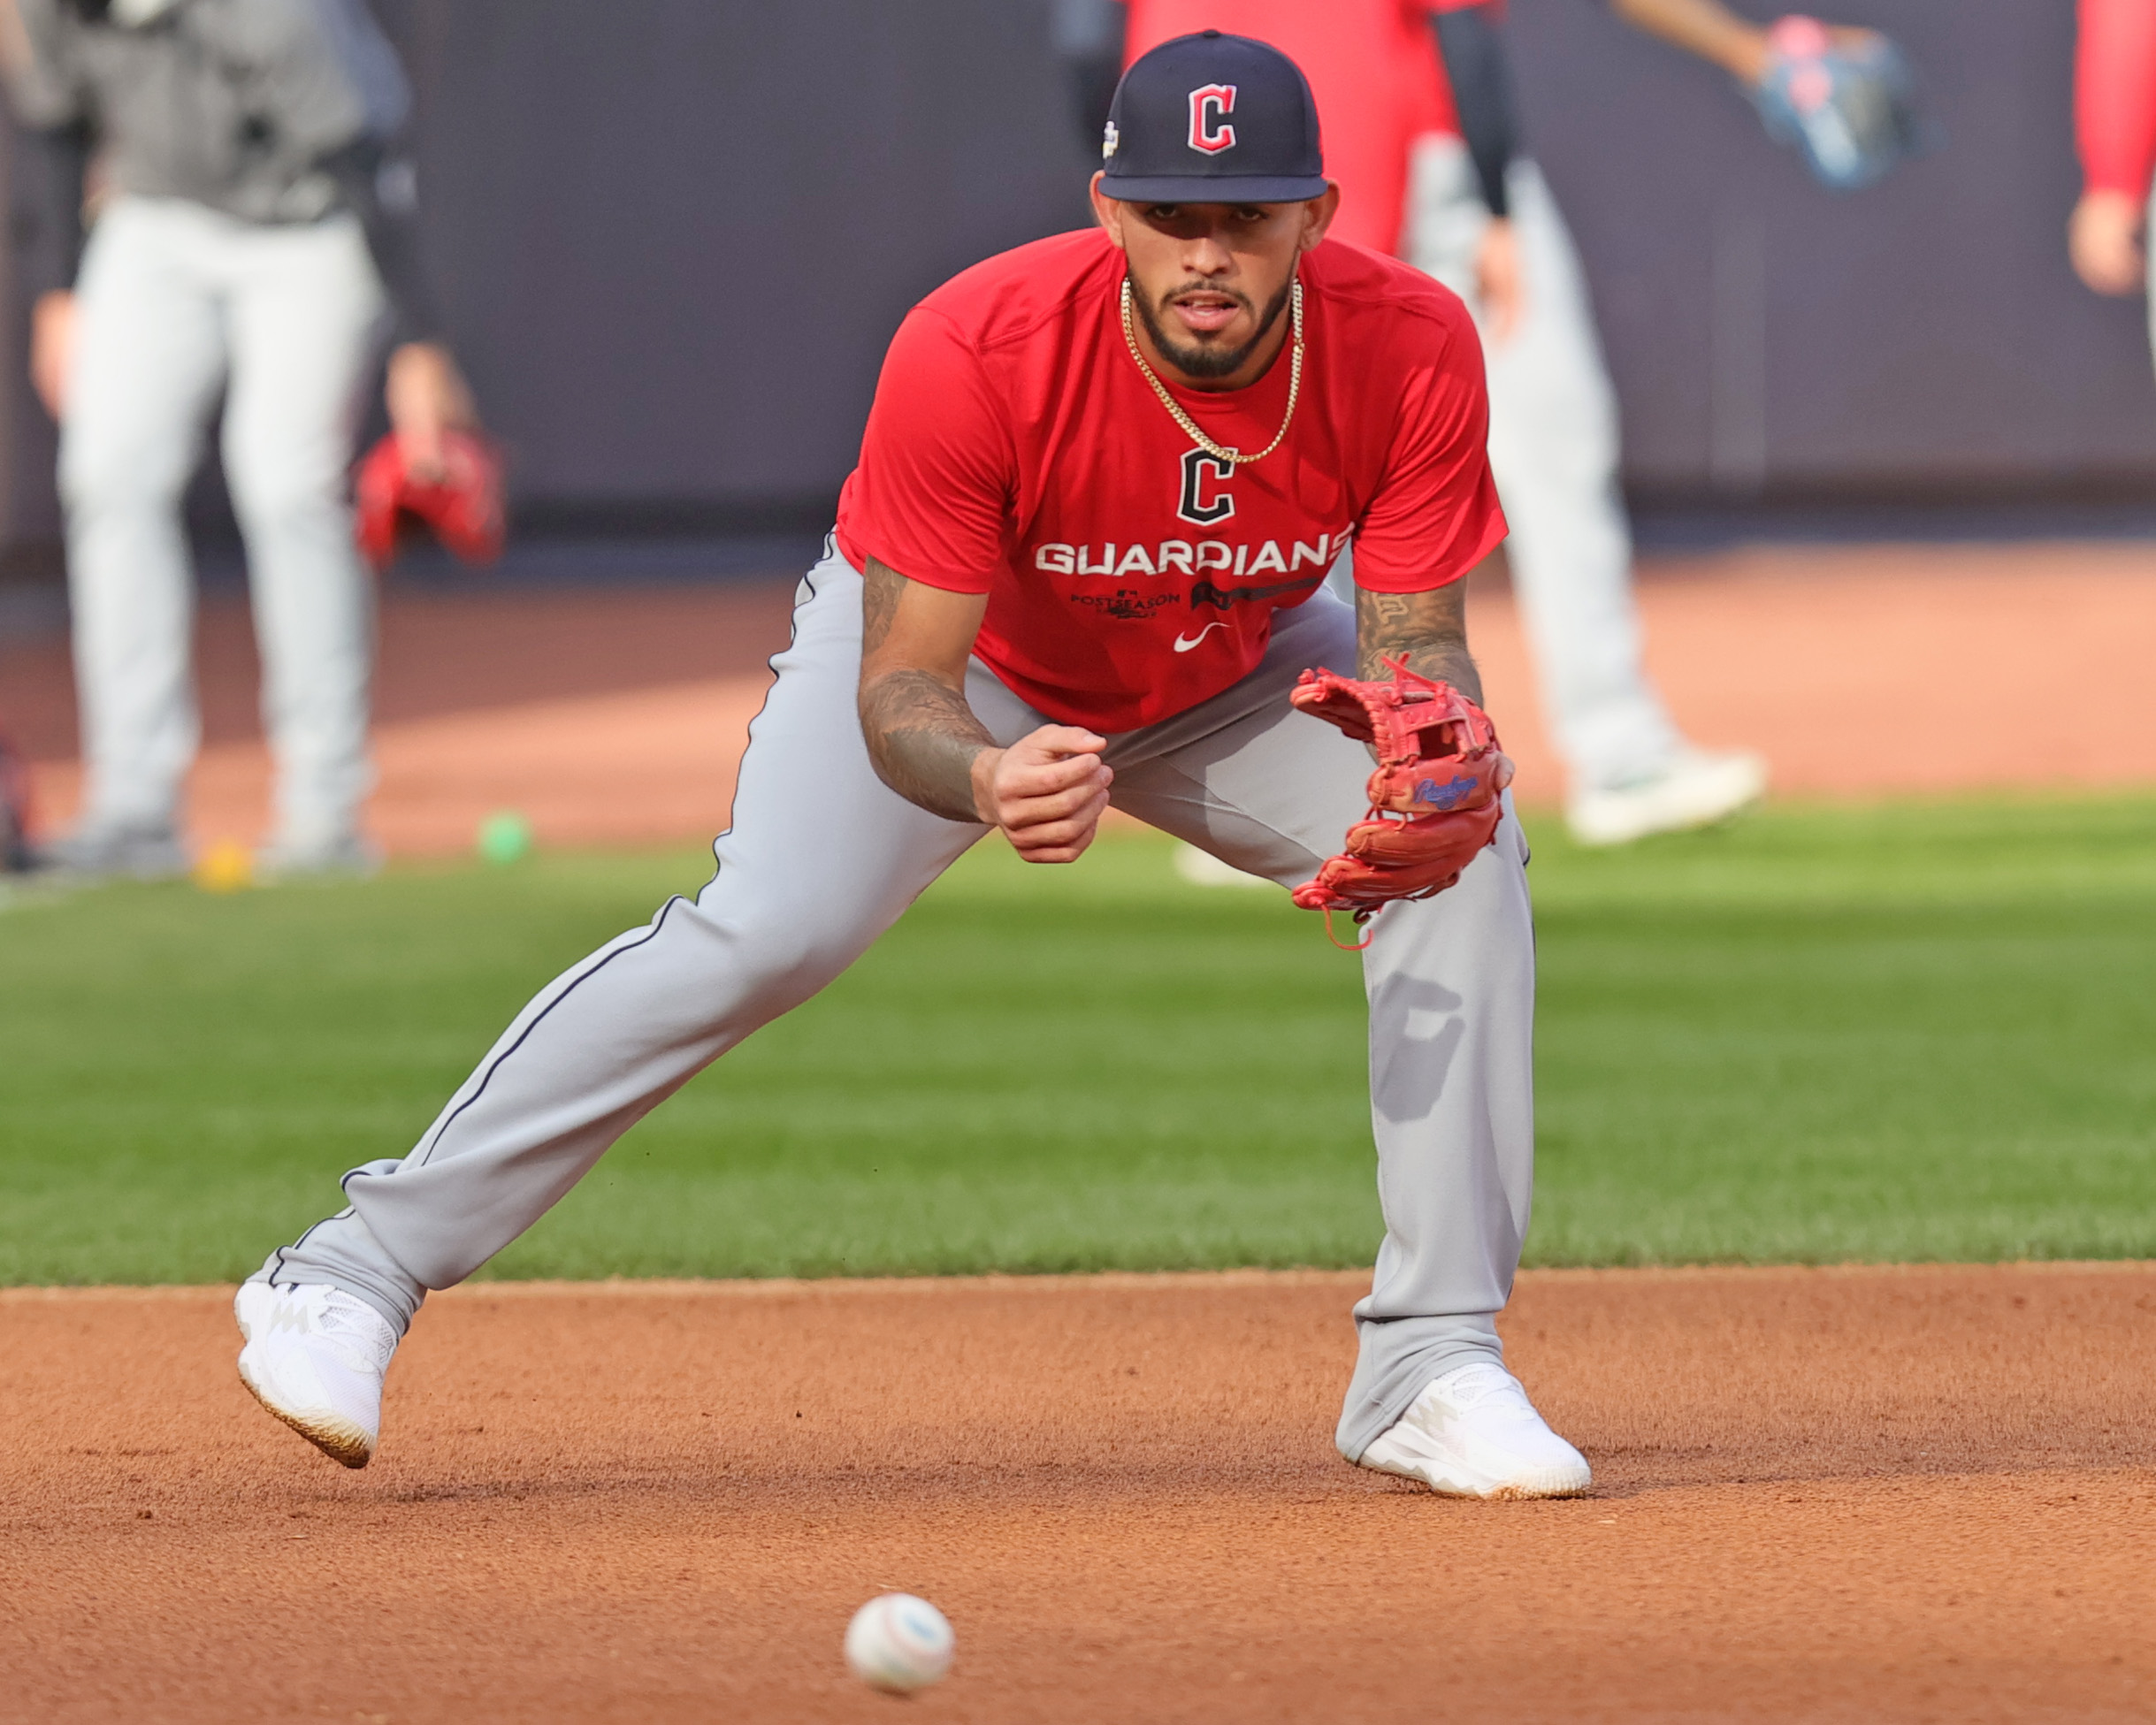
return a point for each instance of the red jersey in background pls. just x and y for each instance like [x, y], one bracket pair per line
[2115, 95]
[1015, 449]
[1372, 68]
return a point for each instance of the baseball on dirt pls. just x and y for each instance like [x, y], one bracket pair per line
[899, 1644]
[225, 867]
[505, 837]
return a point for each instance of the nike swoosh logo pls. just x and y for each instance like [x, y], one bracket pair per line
[1184, 642]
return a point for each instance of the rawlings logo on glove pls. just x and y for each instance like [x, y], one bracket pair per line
[1433, 798]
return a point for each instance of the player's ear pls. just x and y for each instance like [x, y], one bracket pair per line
[1106, 211]
[1318, 214]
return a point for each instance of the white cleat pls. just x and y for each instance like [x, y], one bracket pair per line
[1472, 1434]
[1202, 868]
[1695, 789]
[314, 1357]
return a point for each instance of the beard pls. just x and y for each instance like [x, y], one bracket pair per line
[1195, 360]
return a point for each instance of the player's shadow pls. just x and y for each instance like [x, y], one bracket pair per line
[1415, 1029]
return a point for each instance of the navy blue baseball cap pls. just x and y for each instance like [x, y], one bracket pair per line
[1212, 118]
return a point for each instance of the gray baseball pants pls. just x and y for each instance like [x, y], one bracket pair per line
[1554, 449]
[176, 302]
[823, 857]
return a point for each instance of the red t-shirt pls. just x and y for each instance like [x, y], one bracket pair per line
[1015, 449]
[2115, 95]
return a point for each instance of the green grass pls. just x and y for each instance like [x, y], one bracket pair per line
[1925, 1031]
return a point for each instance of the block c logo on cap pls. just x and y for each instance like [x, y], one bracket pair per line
[1210, 108]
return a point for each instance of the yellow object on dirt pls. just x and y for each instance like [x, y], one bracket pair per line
[225, 867]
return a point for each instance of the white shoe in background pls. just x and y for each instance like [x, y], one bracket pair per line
[315, 1356]
[1472, 1434]
[1202, 868]
[101, 851]
[288, 858]
[1697, 789]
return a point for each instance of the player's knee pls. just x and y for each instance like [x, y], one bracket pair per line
[788, 969]
[289, 495]
[100, 476]
[776, 957]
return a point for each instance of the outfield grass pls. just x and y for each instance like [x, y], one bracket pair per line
[1909, 1033]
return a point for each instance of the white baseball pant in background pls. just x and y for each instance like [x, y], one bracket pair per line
[176, 301]
[2148, 245]
[1554, 448]
[823, 857]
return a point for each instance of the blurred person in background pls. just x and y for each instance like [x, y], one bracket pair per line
[14, 809]
[250, 228]
[1415, 99]
[2115, 124]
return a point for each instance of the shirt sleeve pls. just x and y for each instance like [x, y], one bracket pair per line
[45, 217]
[38, 57]
[1435, 513]
[1090, 36]
[2115, 95]
[1471, 46]
[52, 139]
[932, 496]
[380, 186]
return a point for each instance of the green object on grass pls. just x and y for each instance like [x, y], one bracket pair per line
[1821, 1035]
[505, 836]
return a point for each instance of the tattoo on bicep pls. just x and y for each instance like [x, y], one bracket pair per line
[1428, 630]
[922, 738]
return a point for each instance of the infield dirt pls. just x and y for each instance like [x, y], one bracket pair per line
[1821, 1494]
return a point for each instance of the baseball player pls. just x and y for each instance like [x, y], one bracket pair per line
[253, 221]
[1483, 221]
[1417, 103]
[15, 853]
[2115, 118]
[1082, 564]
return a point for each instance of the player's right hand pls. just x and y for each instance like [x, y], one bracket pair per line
[1046, 791]
[2104, 239]
[1500, 288]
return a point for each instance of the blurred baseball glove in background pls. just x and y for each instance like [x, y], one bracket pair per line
[461, 504]
[1433, 798]
[1845, 100]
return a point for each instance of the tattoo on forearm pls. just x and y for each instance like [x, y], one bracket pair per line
[1428, 630]
[922, 738]
[922, 735]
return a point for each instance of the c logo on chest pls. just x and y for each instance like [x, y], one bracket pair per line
[1204, 500]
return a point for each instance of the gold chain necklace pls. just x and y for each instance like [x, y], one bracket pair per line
[1218, 451]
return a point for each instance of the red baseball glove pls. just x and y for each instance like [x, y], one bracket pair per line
[1433, 799]
[462, 505]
